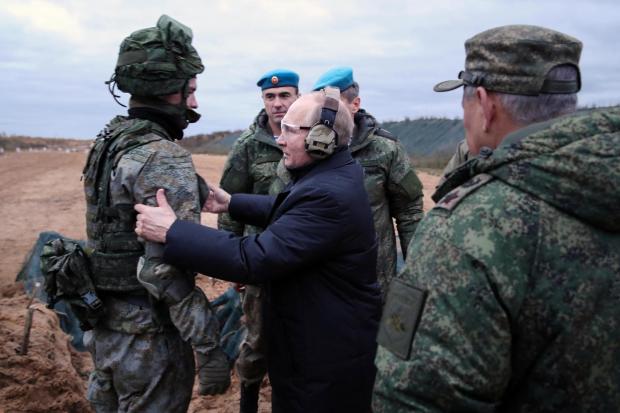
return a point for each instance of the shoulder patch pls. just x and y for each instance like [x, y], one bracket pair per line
[452, 198]
[403, 310]
[386, 134]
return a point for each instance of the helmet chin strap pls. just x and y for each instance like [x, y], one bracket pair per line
[112, 87]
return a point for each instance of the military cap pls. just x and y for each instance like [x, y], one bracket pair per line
[278, 78]
[340, 77]
[516, 60]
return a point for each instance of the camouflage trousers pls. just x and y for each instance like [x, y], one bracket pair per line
[144, 370]
[252, 362]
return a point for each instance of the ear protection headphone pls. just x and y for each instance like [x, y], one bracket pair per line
[322, 139]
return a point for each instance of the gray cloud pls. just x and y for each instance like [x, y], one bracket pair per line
[57, 54]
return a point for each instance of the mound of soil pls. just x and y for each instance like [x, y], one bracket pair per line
[51, 376]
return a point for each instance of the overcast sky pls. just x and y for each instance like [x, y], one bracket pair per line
[55, 55]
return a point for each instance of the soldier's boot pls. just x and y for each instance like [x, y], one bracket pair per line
[213, 372]
[249, 397]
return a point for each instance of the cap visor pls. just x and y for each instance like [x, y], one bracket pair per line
[448, 85]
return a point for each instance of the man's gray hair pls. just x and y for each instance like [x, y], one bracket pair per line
[531, 109]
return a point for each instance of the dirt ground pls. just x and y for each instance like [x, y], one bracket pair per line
[41, 191]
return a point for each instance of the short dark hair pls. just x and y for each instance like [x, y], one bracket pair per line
[351, 92]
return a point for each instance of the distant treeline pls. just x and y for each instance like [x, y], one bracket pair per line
[217, 143]
[16, 143]
[429, 141]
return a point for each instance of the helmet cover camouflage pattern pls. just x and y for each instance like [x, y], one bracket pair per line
[516, 59]
[157, 60]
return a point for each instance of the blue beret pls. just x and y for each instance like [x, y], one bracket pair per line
[340, 77]
[278, 78]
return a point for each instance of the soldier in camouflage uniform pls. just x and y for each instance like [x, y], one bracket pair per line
[251, 168]
[141, 346]
[460, 156]
[509, 301]
[394, 190]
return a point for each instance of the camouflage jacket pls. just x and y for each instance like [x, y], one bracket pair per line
[135, 179]
[460, 156]
[393, 188]
[250, 168]
[511, 296]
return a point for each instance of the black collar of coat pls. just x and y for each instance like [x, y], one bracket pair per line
[341, 157]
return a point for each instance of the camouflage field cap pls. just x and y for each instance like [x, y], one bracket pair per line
[157, 60]
[516, 59]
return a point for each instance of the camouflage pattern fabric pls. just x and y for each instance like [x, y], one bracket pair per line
[516, 59]
[394, 190]
[140, 172]
[460, 156]
[251, 168]
[513, 282]
[252, 363]
[157, 60]
[135, 372]
[130, 327]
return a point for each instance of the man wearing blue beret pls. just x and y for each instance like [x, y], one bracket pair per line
[251, 168]
[394, 190]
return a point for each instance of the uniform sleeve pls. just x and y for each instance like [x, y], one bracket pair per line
[459, 356]
[405, 197]
[173, 170]
[235, 178]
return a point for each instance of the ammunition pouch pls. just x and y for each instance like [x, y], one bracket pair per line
[115, 271]
[67, 273]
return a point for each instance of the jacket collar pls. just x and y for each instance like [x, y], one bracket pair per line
[262, 130]
[365, 125]
[338, 159]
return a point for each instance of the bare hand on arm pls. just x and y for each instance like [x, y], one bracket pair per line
[153, 223]
[217, 201]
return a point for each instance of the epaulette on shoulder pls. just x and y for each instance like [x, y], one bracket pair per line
[386, 134]
[454, 197]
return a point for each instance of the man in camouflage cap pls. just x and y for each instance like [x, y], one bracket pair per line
[141, 346]
[394, 190]
[251, 168]
[510, 302]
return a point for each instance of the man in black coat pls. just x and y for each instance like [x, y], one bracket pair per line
[316, 260]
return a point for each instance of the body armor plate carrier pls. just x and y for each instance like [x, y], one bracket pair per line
[110, 228]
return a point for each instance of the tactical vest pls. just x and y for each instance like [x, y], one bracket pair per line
[110, 229]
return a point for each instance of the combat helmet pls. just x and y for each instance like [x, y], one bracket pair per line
[157, 60]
